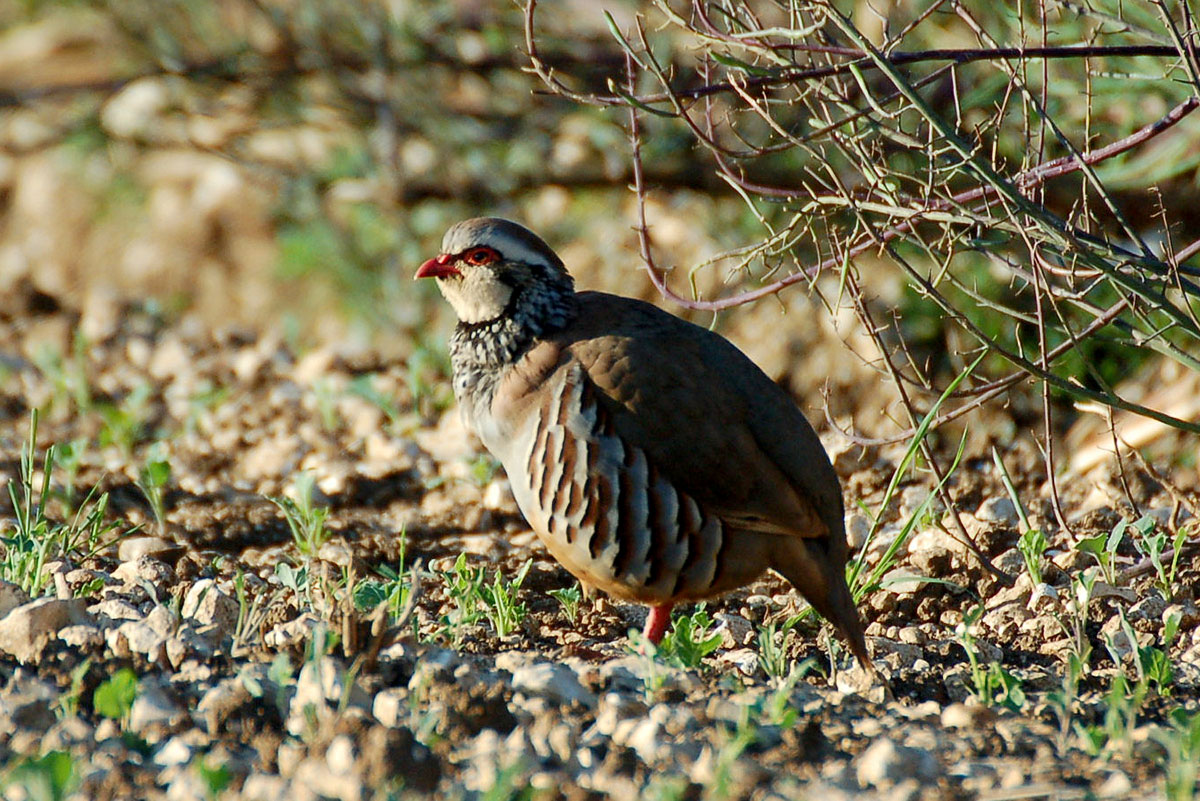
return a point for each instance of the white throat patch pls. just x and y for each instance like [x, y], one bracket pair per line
[478, 296]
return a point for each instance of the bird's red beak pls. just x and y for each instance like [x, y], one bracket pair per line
[439, 267]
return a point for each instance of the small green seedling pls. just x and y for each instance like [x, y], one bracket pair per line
[569, 599]
[305, 519]
[689, 640]
[115, 696]
[500, 601]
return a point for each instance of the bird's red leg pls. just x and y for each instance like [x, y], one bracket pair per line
[657, 622]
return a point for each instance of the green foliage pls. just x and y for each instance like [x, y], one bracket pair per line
[1032, 545]
[35, 538]
[500, 601]
[305, 519]
[292, 578]
[464, 587]
[1114, 735]
[510, 785]
[428, 380]
[115, 696]
[569, 599]
[773, 649]
[991, 685]
[689, 640]
[68, 378]
[125, 424]
[1180, 742]
[1152, 544]
[1103, 548]
[861, 582]
[745, 735]
[215, 777]
[67, 704]
[364, 387]
[49, 777]
[392, 587]
[483, 469]
[152, 481]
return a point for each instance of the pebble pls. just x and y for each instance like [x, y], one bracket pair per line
[219, 703]
[886, 763]
[186, 642]
[339, 756]
[499, 496]
[111, 610]
[264, 787]
[964, 716]
[137, 637]
[390, 707]
[67, 733]
[132, 549]
[1189, 615]
[27, 629]
[26, 703]
[858, 526]
[999, 510]
[1117, 785]
[174, 751]
[735, 630]
[320, 687]
[207, 605]
[1011, 561]
[293, 632]
[899, 655]
[555, 682]
[148, 569]
[152, 708]
[743, 660]
[11, 596]
[1150, 607]
[82, 636]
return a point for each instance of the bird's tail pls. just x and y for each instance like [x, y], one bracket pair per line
[822, 582]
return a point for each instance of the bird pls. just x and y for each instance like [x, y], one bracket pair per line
[653, 459]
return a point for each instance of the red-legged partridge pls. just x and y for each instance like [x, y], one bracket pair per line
[651, 456]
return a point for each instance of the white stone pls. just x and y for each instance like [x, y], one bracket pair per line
[112, 610]
[145, 568]
[858, 526]
[135, 109]
[264, 787]
[137, 637]
[735, 630]
[207, 605]
[998, 509]
[885, 763]
[173, 752]
[152, 707]
[743, 660]
[26, 629]
[11, 596]
[339, 756]
[390, 707]
[292, 632]
[220, 701]
[555, 682]
[643, 737]
[82, 636]
[1151, 607]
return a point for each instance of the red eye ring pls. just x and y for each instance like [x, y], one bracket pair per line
[480, 256]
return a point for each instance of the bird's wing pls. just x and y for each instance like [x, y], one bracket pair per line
[706, 416]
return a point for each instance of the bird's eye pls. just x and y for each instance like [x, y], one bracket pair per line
[480, 256]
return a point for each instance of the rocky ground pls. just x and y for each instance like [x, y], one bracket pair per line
[207, 622]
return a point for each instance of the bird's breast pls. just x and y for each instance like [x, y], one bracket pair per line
[601, 507]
